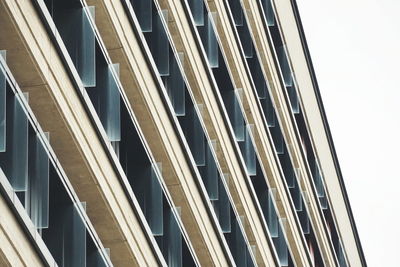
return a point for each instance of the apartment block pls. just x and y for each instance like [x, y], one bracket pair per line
[165, 133]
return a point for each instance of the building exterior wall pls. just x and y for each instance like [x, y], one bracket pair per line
[154, 185]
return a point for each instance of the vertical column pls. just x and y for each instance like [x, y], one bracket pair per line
[223, 205]
[295, 192]
[194, 134]
[249, 152]
[281, 245]
[86, 64]
[239, 252]
[269, 111]
[143, 11]
[197, 8]
[160, 43]
[235, 111]
[245, 39]
[112, 121]
[284, 65]
[176, 85]
[277, 137]
[272, 217]
[174, 242]
[294, 98]
[237, 12]
[212, 48]
[154, 203]
[74, 238]
[269, 12]
[17, 169]
[258, 76]
[37, 198]
[288, 171]
[303, 216]
[318, 180]
[210, 173]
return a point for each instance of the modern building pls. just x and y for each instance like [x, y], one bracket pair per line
[165, 133]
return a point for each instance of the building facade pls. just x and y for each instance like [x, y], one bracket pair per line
[165, 133]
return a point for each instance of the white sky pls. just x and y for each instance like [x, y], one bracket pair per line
[355, 48]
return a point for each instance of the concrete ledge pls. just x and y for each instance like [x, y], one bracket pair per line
[201, 86]
[262, 138]
[38, 69]
[141, 89]
[319, 135]
[10, 226]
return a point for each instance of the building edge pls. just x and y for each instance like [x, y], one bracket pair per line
[317, 92]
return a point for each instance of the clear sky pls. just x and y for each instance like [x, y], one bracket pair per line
[355, 48]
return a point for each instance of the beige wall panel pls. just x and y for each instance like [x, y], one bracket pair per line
[289, 130]
[268, 159]
[147, 104]
[38, 69]
[201, 87]
[15, 246]
[317, 130]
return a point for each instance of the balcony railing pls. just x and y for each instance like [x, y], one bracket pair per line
[170, 66]
[288, 77]
[241, 130]
[99, 85]
[33, 179]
